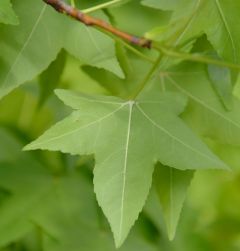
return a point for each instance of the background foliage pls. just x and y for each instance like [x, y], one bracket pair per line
[47, 199]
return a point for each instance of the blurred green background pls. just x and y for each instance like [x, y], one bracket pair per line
[46, 198]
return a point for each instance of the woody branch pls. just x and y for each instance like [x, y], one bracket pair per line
[62, 7]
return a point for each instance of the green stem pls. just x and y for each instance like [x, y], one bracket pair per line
[147, 78]
[128, 46]
[101, 6]
[135, 51]
[187, 42]
[194, 57]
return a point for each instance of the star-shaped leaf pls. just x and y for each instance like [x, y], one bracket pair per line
[63, 206]
[189, 20]
[205, 113]
[171, 186]
[71, 219]
[42, 33]
[127, 138]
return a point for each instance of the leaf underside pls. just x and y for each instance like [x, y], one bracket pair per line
[127, 138]
[43, 24]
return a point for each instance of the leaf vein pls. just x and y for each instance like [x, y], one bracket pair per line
[172, 136]
[125, 166]
[201, 102]
[81, 128]
[227, 28]
[24, 45]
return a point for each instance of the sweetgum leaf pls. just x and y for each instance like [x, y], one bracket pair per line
[50, 78]
[63, 207]
[205, 112]
[163, 4]
[71, 219]
[221, 80]
[26, 181]
[217, 18]
[127, 138]
[42, 33]
[125, 20]
[171, 185]
[7, 15]
[135, 70]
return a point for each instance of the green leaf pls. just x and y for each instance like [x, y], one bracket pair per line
[189, 20]
[221, 80]
[7, 15]
[163, 4]
[229, 154]
[121, 133]
[154, 212]
[40, 36]
[50, 78]
[100, 50]
[205, 112]
[124, 18]
[171, 185]
[223, 16]
[63, 207]
[26, 182]
[22, 61]
[71, 220]
[134, 69]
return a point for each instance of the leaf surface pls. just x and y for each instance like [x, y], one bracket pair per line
[7, 15]
[205, 112]
[171, 185]
[26, 183]
[42, 33]
[121, 133]
[72, 219]
[50, 78]
[189, 20]
[63, 206]
[221, 80]
[163, 4]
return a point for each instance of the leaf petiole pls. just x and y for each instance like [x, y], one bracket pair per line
[128, 46]
[194, 57]
[148, 77]
[101, 6]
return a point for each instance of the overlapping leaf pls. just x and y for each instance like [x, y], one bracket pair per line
[84, 4]
[50, 78]
[7, 15]
[221, 80]
[63, 207]
[163, 5]
[127, 138]
[217, 18]
[28, 49]
[206, 112]
[71, 220]
[18, 173]
[171, 186]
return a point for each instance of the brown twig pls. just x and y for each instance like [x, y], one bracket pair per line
[62, 7]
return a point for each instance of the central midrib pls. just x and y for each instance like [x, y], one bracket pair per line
[125, 167]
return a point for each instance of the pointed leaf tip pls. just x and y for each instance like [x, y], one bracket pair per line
[114, 131]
